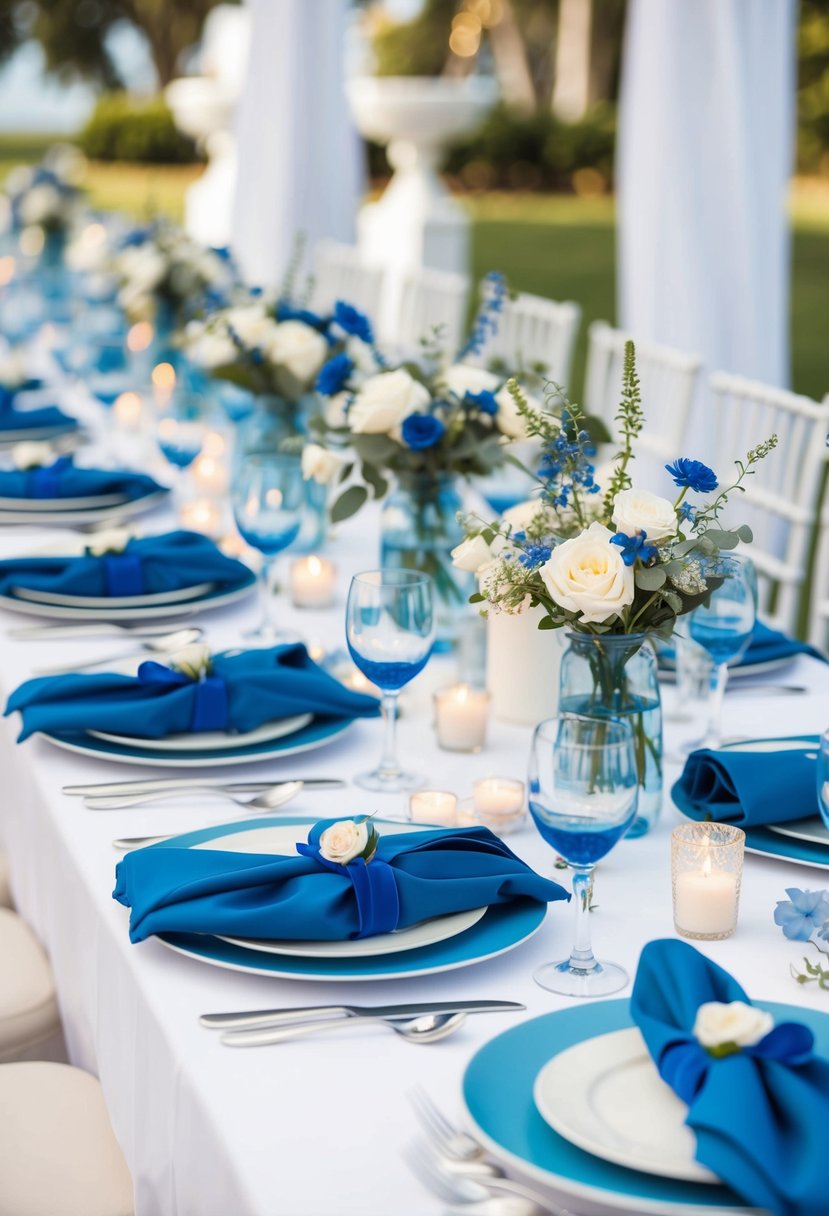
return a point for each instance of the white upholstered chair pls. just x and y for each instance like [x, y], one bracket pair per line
[6, 900]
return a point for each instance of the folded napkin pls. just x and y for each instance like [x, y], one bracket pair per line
[8, 392]
[769, 644]
[750, 788]
[12, 419]
[242, 691]
[147, 565]
[63, 480]
[759, 1113]
[411, 877]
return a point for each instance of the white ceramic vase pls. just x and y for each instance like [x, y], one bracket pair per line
[522, 667]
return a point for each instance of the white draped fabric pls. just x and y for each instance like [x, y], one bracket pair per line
[704, 158]
[299, 167]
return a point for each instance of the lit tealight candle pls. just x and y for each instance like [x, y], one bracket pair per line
[210, 474]
[139, 337]
[706, 861]
[499, 803]
[357, 682]
[433, 806]
[461, 717]
[202, 516]
[127, 411]
[312, 582]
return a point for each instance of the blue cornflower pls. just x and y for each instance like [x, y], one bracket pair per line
[687, 512]
[286, 312]
[333, 374]
[484, 401]
[633, 547]
[534, 556]
[421, 431]
[693, 474]
[353, 322]
[802, 913]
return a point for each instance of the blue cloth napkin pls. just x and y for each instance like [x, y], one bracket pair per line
[760, 1114]
[13, 419]
[749, 788]
[9, 392]
[769, 644]
[62, 480]
[147, 565]
[419, 875]
[243, 691]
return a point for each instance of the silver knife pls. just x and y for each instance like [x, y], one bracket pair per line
[281, 1017]
[91, 630]
[150, 786]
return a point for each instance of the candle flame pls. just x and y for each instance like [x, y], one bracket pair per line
[164, 375]
[139, 337]
[314, 566]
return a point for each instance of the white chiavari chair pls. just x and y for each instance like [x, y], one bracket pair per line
[819, 605]
[536, 333]
[431, 299]
[341, 273]
[780, 502]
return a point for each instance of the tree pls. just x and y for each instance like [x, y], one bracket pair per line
[73, 33]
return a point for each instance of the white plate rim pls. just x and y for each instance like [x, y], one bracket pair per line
[783, 829]
[33, 595]
[69, 518]
[193, 742]
[87, 502]
[629, 1045]
[667, 675]
[185, 608]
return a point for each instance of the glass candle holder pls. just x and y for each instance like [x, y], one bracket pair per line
[706, 869]
[461, 714]
[499, 803]
[433, 806]
[313, 582]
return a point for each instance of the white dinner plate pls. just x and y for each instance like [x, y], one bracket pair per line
[44, 434]
[211, 599]
[210, 740]
[112, 601]
[94, 515]
[667, 672]
[62, 504]
[605, 1096]
[811, 829]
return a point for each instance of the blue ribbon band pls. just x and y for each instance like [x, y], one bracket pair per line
[123, 574]
[685, 1065]
[210, 709]
[44, 482]
[375, 887]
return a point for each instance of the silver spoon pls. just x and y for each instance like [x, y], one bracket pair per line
[266, 800]
[427, 1028]
[167, 644]
[276, 796]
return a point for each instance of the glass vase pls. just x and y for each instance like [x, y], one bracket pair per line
[614, 676]
[274, 421]
[419, 528]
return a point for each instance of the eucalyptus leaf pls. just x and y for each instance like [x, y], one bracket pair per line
[745, 534]
[348, 504]
[650, 578]
[721, 538]
[375, 479]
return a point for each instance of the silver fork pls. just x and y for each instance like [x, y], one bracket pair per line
[500, 1195]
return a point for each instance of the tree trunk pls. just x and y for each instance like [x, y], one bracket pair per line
[571, 90]
[511, 63]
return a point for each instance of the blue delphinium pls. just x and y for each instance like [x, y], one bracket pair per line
[488, 315]
[421, 431]
[633, 547]
[352, 321]
[565, 466]
[534, 555]
[687, 513]
[802, 914]
[285, 311]
[334, 374]
[483, 401]
[693, 475]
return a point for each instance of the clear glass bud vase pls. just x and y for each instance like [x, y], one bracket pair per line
[419, 528]
[614, 676]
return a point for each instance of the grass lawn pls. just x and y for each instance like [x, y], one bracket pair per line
[554, 245]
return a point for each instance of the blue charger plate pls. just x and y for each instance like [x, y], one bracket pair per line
[498, 1092]
[502, 928]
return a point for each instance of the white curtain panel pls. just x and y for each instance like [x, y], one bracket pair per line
[704, 158]
[300, 167]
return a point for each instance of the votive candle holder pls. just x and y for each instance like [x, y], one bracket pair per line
[706, 872]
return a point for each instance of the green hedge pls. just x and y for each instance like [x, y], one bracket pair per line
[127, 129]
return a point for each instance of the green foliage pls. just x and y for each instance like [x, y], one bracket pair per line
[813, 87]
[125, 128]
[415, 48]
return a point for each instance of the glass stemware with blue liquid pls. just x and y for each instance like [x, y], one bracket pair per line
[723, 627]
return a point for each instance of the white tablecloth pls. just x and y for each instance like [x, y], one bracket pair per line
[314, 1128]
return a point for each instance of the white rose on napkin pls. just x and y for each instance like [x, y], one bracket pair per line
[298, 348]
[587, 574]
[32, 455]
[344, 841]
[319, 464]
[385, 400]
[461, 379]
[109, 540]
[719, 1024]
[640, 511]
[192, 661]
[472, 554]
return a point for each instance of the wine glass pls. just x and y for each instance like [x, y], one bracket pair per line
[181, 429]
[723, 626]
[268, 506]
[390, 630]
[823, 777]
[583, 788]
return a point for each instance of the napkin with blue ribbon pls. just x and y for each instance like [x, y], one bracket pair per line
[759, 1111]
[411, 877]
[146, 566]
[240, 692]
[62, 479]
[749, 788]
[42, 417]
[8, 392]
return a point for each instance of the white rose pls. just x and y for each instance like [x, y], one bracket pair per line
[297, 347]
[13, 368]
[587, 575]
[343, 841]
[522, 514]
[251, 323]
[19, 179]
[320, 464]
[508, 420]
[40, 204]
[214, 349]
[144, 267]
[718, 1023]
[471, 554]
[461, 379]
[335, 409]
[385, 400]
[361, 355]
[192, 661]
[640, 511]
[32, 455]
[109, 540]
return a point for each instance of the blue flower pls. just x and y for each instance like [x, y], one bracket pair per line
[352, 321]
[286, 312]
[693, 475]
[483, 401]
[802, 913]
[633, 547]
[421, 431]
[535, 556]
[333, 374]
[687, 512]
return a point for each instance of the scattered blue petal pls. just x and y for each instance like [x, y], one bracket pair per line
[802, 914]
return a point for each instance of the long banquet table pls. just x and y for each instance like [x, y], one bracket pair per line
[317, 1127]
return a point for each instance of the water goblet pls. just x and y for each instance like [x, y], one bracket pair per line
[268, 506]
[390, 630]
[583, 787]
[723, 626]
[823, 777]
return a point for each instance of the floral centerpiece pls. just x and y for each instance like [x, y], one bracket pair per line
[427, 425]
[612, 565]
[46, 196]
